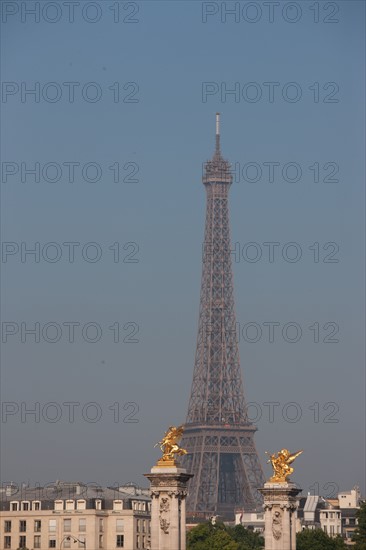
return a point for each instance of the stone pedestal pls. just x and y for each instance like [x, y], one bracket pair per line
[280, 514]
[168, 486]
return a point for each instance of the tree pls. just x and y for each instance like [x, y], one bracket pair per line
[221, 540]
[316, 539]
[360, 532]
[198, 536]
[210, 537]
[246, 538]
[219, 537]
[339, 543]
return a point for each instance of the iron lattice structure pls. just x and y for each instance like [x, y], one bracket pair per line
[218, 436]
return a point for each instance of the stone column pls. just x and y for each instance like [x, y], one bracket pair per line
[168, 517]
[183, 524]
[294, 526]
[280, 509]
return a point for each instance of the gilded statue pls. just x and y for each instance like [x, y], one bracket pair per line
[169, 446]
[281, 465]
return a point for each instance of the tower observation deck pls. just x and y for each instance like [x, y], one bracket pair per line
[218, 435]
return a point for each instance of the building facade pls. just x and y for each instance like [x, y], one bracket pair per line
[74, 515]
[250, 520]
[330, 520]
[349, 504]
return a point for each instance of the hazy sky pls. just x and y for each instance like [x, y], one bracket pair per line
[131, 95]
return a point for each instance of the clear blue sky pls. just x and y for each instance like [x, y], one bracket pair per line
[169, 53]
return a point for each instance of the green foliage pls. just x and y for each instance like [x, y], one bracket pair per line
[246, 538]
[339, 543]
[360, 532]
[317, 539]
[219, 537]
[221, 540]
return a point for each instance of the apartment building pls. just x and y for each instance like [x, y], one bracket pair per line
[74, 515]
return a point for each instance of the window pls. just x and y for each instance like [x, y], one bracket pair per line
[80, 504]
[52, 526]
[37, 541]
[36, 505]
[37, 525]
[67, 524]
[70, 505]
[25, 506]
[7, 542]
[22, 541]
[138, 541]
[52, 543]
[98, 504]
[101, 525]
[14, 506]
[67, 542]
[138, 525]
[7, 526]
[100, 541]
[120, 541]
[117, 505]
[82, 524]
[22, 525]
[119, 525]
[59, 505]
[82, 543]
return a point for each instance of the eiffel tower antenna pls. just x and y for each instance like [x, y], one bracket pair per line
[218, 152]
[218, 435]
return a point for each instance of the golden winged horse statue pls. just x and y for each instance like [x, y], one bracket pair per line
[169, 445]
[281, 465]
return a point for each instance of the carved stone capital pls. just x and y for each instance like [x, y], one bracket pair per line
[288, 506]
[180, 493]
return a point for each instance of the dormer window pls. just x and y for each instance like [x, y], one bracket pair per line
[117, 505]
[70, 505]
[59, 505]
[81, 504]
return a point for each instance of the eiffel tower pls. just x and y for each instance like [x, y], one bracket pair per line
[218, 435]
